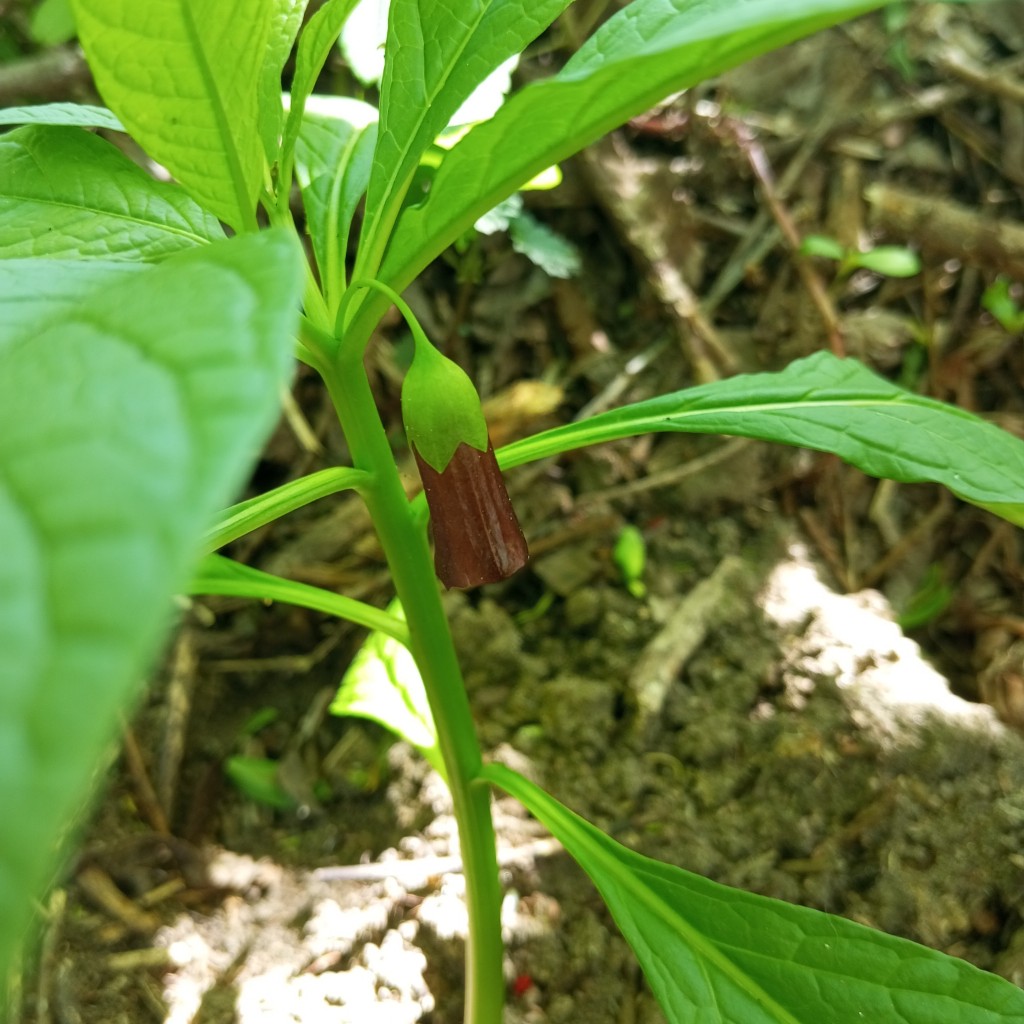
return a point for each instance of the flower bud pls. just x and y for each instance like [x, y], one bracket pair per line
[477, 537]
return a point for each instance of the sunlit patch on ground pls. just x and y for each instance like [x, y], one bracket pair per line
[855, 640]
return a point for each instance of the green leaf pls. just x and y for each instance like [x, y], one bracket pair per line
[831, 405]
[716, 955]
[315, 44]
[646, 51]
[248, 515]
[555, 255]
[1005, 510]
[184, 77]
[52, 23]
[257, 778]
[1000, 301]
[332, 161]
[219, 575]
[823, 246]
[36, 294]
[80, 115]
[286, 18]
[890, 260]
[630, 555]
[124, 426]
[436, 55]
[500, 217]
[384, 685]
[66, 192]
[931, 598]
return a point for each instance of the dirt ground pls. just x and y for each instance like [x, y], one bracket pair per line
[801, 742]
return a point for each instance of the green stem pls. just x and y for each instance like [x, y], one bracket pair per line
[408, 555]
[249, 515]
[219, 575]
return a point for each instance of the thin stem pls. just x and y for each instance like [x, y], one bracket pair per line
[249, 515]
[219, 575]
[356, 329]
[408, 555]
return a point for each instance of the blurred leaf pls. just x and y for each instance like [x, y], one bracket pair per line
[823, 246]
[500, 217]
[889, 260]
[127, 417]
[256, 778]
[1000, 301]
[259, 720]
[555, 255]
[52, 23]
[384, 685]
[928, 602]
[36, 295]
[630, 555]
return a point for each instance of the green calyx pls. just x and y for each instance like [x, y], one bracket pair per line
[440, 406]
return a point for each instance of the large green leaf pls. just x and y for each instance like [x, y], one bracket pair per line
[124, 426]
[716, 955]
[648, 50]
[184, 78]
[81, 115]
[436, 54]
[36, 294]
[66, 192]
[832, 405]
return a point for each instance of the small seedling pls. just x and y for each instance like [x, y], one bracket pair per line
[630, 554]
[886, 260]
[257, 778]
[928, 602]
[1002, 300]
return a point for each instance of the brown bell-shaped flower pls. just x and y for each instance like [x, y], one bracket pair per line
[477, 537]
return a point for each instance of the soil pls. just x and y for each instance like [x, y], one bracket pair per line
[758, 715]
